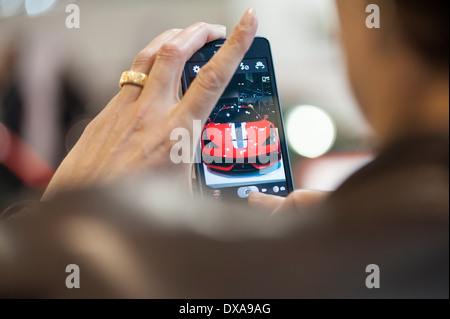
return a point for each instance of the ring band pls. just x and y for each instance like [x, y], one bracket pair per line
[133, 77]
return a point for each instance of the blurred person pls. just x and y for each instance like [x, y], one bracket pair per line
[19, 155]
[148, 239]
[217, 194]
[11, 110]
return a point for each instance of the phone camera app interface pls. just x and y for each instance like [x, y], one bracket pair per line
[240, 146]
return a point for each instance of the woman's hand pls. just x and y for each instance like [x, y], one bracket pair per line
[297, 201]
[132, 133]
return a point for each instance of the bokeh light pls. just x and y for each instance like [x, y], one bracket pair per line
[310, 131]
[38, 7]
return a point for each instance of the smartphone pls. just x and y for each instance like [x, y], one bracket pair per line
[243, 146]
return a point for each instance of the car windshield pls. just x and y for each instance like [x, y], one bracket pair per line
[237, 115]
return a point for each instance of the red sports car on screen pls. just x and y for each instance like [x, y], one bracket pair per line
[239, 139]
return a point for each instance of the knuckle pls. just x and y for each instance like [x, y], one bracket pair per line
[200, 25]
[143, 57]
[90, 127]
[243, 30]
[170, 50]
[233, 41]
[209, 78]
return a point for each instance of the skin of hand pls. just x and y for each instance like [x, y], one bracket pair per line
[297, 201]
[132, 133]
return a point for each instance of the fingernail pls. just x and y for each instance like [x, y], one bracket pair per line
[249, 17]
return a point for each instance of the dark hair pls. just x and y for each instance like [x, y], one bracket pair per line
[425, 26]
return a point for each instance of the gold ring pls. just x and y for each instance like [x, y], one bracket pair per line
[133, 77]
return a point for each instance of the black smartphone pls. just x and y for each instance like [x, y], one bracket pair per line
[243, 146]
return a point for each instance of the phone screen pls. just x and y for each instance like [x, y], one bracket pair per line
[242, 147]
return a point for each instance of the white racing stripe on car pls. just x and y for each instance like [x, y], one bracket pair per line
[239, 135]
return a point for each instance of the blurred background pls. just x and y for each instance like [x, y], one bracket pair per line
[54, 80]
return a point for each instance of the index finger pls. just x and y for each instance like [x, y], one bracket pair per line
[211, 82]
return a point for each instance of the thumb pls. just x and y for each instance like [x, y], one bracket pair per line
[264, 201]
